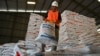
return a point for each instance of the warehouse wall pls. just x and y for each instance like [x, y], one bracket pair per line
[13, 26]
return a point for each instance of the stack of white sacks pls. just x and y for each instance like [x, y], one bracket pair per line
[33, 26]
[97, 40]
[7, 49]
[75, 29]
[25, 47]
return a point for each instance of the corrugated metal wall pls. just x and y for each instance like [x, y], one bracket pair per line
[13, 26]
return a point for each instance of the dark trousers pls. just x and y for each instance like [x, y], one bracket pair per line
[57, 33]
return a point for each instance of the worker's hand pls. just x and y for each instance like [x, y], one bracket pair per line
[57, 24]
[45, 20]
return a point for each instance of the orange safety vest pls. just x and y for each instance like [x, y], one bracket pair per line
[52, 16]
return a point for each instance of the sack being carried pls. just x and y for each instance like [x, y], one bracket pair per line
[47, 34]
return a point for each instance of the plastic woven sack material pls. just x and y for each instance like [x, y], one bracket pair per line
[33, 45]
[96, 42]
[29, 49]
[73, 25]
[47, 28]
[34, 23]
[17, 51]
[64, 46]
[87, 38]
[47, 34]
[7, 49]
[62, 53]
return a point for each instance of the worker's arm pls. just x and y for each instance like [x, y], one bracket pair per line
[45, 17]
[59, 18]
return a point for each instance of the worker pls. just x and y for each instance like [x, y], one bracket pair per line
[53, 16]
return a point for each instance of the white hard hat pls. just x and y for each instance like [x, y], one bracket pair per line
[55, 3]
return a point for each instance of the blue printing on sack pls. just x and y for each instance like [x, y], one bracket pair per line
[47, 26]
[48, 36]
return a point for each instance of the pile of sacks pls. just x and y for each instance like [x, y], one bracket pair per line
[7, 49]
[96, 42]
[28, 48]
[20, 49]
[75, 29]
[35, 21]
